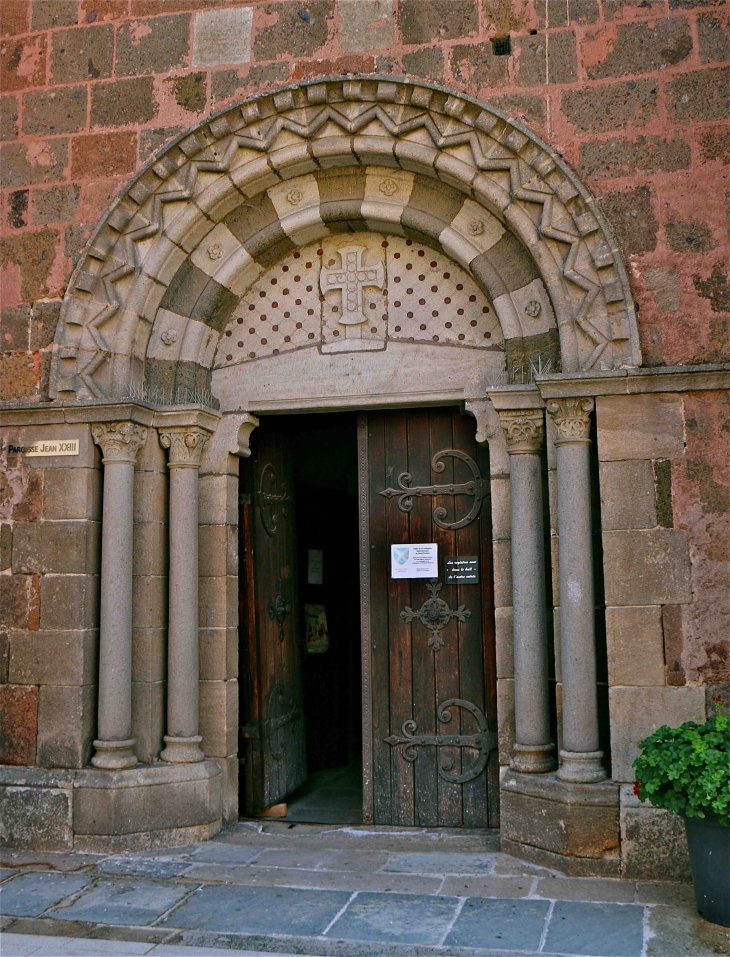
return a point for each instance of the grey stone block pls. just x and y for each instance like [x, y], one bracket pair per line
[653, 842]
[124, 867]
[627, 495]
[30, 895]
[66, 725]
[53, 657]
[71, 548]
[638, 712]
[222, 36]
[147, 799]
[123, 902]
[635, 643]
[69, 602]
[585, 889]
[650, 567]
[502, 888]
[639, 426]
[37, 817]
[72, 493]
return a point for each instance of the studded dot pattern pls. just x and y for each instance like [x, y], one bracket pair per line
[427, 298]
[431, 299]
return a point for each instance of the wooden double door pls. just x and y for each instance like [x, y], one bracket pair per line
[428, 669]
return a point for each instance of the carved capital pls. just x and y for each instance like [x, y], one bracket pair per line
[524, 430]
[572, 418]
[119, 441]
[186, 444]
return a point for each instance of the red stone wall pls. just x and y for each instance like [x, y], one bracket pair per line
[632, 93]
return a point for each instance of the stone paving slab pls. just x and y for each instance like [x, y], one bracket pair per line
[6, 872]
[503, 887]
[124, 902]
[585, 889]
[123, 867]
[23, 945]
[508, 925]
[606, 930]
[679, 931]
[29, 895]
[441, 863]
[397, 919]
[349, 881]
[260, 910]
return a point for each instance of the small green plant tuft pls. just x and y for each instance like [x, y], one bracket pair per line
[687, 769]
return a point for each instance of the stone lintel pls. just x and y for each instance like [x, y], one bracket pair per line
[635, 381]
[180, 417]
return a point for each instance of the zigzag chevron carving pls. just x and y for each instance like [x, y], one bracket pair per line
[459, 123]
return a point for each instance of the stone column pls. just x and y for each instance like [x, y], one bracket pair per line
[185, 444]
[120, 442]
[580, 755]
[533, 749]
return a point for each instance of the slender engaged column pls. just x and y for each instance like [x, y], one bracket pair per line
[533, 750]
[182, 739]
[580, 754]
[120, 442]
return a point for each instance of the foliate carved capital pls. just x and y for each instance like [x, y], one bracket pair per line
[524, 430]
[186, 444]
[572, 418]
[119, 441]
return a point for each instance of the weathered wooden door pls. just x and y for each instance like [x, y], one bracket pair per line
[272, 719]
[430, 689]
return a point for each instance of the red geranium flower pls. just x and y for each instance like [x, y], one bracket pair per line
[637, 787]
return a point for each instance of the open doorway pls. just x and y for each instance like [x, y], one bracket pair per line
[300, 664]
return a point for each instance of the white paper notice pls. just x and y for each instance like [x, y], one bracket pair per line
[414, 561]
[315, 566]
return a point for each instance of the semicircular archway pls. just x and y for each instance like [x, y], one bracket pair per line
[228, 202]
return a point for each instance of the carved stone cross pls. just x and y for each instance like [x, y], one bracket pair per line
[351, 278]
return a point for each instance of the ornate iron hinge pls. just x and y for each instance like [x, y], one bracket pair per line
[483, 741]
[476, 487]
[280, 609]
[435, 614]
[279, 714]
[268, 499]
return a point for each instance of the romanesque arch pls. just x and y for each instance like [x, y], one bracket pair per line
[203, 222]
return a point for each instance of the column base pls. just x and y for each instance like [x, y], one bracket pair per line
[533, 758]
[114, 755]
[581, 767]
[182, 750]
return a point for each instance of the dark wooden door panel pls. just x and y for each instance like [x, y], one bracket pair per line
[438, 692]
[272, 719]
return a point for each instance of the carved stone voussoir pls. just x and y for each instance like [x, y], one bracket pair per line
[524, 430]
[186, 444]
[572, 417]
[119, 441]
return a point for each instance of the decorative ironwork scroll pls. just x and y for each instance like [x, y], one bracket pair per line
[483, 741]
[268, 499]
[279, 714]
[435, 614]
[477, 487]
[280, 609]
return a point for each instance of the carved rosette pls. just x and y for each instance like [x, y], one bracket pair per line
[524, 430]
[572, 418]
[185, 444]
[119, 441]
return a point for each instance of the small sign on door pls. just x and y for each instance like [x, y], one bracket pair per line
[462, 569]
[414, 561]
[315, 566]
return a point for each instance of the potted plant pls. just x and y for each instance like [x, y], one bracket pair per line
[687, 771]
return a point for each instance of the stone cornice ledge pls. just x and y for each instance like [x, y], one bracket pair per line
[636, 381]
[110, 410]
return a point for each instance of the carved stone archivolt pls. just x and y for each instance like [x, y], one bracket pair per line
[482, 167]
[524, 430]
[119, 441]
[572, 418]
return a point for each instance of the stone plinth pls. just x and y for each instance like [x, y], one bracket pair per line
[571, 827]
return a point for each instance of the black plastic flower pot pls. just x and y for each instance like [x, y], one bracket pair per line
[709, 858]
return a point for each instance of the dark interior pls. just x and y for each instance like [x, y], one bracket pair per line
[324, 453]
